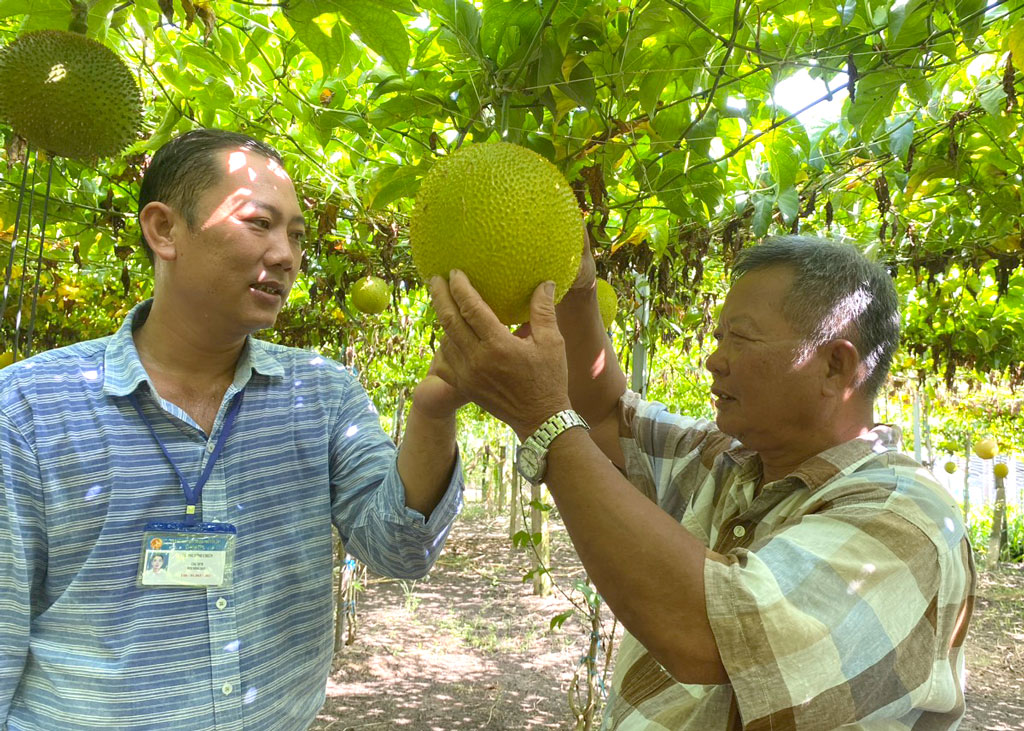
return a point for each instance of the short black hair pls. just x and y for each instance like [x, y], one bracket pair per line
[185, 166]
[837, 292]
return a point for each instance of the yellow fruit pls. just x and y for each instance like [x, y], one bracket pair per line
[370, 295]
[950, 467]
[6, 359]
[1001, 470]
[68, 95]
[506, 217]
[607, 302]
[986, 448]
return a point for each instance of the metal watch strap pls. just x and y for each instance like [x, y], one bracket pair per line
[555, 425]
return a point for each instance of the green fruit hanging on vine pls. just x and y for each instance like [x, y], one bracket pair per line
[68, 95]
[370, 295]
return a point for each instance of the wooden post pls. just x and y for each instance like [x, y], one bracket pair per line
[500, 485]
[485, 475]
[995, 540]
[967, 481]
[515, 498]
[541, 554]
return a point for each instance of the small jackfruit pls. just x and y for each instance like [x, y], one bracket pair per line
[607, 302]
[370, 295]
[68, 94]
[506, 217]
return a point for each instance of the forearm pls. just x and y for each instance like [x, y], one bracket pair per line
[426, 459]
[596, 382]
[647, 567]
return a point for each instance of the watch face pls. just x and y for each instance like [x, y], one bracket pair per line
[530, 464]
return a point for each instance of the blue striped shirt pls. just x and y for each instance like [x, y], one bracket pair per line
[81, 646]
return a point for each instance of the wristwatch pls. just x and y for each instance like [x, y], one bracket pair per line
[532, 455]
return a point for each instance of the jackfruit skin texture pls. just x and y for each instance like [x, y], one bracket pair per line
[506, 217]
[607, 302]
[370, 295]
[68, 95]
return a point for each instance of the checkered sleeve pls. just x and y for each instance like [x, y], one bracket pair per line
[835, 619]
[667, 455]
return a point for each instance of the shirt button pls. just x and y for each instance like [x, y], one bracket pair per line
[739, 531]
[221, 603]
[209, 445]
[226, 689]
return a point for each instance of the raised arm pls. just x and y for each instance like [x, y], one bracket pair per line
[596, 382]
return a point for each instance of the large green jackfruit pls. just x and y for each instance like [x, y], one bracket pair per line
[68, 95]
[506, 217]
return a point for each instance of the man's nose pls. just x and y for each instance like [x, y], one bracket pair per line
[716, 363]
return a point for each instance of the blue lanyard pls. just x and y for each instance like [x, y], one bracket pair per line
[192, 494]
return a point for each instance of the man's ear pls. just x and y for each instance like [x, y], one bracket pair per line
[157, 221]
[843, 363]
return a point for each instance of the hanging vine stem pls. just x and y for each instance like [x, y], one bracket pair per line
[14, 235]
[39, 258]
[24, 256]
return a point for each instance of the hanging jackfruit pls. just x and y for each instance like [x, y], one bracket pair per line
[506, 217]
[68, 95]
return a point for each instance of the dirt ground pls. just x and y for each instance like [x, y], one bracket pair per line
[470, 647]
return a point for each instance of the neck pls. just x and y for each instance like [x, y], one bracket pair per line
[178, 350]
[779, 463]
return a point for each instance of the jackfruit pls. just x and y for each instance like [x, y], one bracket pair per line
[370, 295]
[607, 302]
[68, 95]
[506, 217]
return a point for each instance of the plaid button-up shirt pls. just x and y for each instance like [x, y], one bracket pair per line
[843, 595]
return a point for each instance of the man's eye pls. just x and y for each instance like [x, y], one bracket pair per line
[260, 222]
[299, 237]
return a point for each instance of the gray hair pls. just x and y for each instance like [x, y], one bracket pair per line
[836, 293]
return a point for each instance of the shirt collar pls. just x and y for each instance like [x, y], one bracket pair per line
[822, 468]
[124, 373]
[844, 458]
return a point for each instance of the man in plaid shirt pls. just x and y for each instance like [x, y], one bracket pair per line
[781, 568]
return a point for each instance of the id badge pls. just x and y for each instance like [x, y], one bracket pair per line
[181, 555]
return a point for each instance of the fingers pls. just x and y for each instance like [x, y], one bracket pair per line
[543, 322]
[448, 312]
[477, 314]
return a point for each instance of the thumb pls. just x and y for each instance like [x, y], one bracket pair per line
[542, 309]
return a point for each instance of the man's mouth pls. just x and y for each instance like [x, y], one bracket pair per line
[269, 288]
[721, 396]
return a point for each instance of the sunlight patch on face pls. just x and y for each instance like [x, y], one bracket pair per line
[236, 161]
[277, 170]
[227, 207]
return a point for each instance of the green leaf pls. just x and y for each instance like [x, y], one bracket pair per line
[970, 26]
[789, 204]
[875, 95]
[783, 159]
[504, 21]
[391, 183]
[901, 135]
[379, 28]
[462, 20]
[993, 99]
[328, 48]
[849, 12]
[762, 215]
[1015, 42]
[559, 619]
[580, 87]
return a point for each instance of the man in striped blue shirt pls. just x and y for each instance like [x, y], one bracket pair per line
[182, 417]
